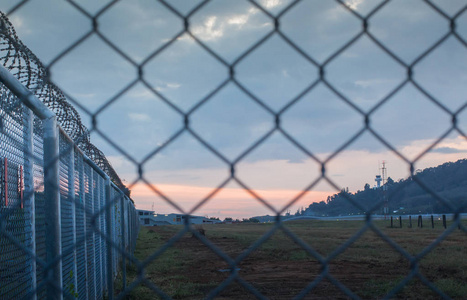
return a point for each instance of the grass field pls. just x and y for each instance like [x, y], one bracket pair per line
[280, 269]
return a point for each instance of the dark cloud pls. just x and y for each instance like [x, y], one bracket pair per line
[448, 150]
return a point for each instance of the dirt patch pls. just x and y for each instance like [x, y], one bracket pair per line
[280, 269]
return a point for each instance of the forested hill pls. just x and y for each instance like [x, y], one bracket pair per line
[406, 196]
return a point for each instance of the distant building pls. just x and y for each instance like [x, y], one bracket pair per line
[151, 218]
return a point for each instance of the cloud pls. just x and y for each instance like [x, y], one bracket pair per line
[209, 30]
[20, 25]
[373, 82]
[213, 28]
[139, 27]
[277, 181]
[229, 27]
[296, 161]
[232, 201]
[139, 117]
[271, 3]
[238, 20]
[353, 4]
[164, 86]
[173, 85]
[139, 94]
[231, 121]
[448, 150]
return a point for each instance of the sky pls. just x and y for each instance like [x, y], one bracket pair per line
[185, 171]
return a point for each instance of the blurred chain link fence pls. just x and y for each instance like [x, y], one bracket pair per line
[25, 66]
[67, 238]
[94, 228]
[65, 221]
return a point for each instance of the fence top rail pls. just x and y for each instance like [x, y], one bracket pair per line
[95, 167]
[26, 97]
[86, 159]
[122, 194]
[116, 187]
[68, 138]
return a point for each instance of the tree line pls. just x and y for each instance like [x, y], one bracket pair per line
[422, 192]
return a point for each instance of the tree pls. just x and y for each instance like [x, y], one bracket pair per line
[447, 180]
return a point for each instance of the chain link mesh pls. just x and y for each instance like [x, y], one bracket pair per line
[23, 251]
[14, 266]
[27, 68]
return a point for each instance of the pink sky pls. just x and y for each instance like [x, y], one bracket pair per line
[280, 181]
[232, 201]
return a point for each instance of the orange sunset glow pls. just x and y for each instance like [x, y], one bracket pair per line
[232, 201]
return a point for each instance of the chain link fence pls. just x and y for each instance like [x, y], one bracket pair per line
[101, 243]
[25, 66]
[60, 214]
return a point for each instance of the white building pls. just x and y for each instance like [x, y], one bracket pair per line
[151, 218]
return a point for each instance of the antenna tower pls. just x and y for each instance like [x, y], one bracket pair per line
[384, 172]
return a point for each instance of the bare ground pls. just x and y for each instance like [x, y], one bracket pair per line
[280, 269]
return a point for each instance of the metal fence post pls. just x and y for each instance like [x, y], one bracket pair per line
[108, 217]
[99, 190]
[29, 190]
[130, 227]
[102, 229]
[85, 244]
[71, 197]
[51, 180]
[53, 238]
[104, 242]
[93, 209]
[100, 203]
[130, 222]
[122, 214]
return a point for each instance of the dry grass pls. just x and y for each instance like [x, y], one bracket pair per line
[280, 269]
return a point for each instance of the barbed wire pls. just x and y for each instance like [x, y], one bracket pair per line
[29, 70]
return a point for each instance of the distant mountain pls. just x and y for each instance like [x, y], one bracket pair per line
[413, 195]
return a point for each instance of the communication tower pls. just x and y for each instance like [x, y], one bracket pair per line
[385, 196]
[384, 173]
